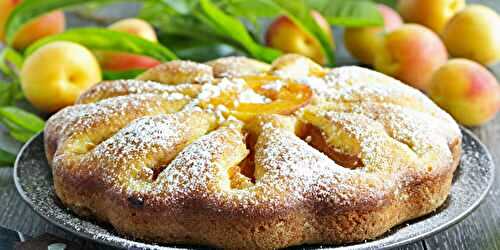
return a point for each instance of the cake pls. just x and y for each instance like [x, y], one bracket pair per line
[236, 153]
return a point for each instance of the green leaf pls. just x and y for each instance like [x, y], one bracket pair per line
[10, 93]
[6, 158]
[232, 27]
[199, 27]
[17, 132]
[251, 10]
[21, 124]
[349, 13]
[5, 94]
[117, 75]
[109, 40]
[17, 119]
[390, 3]
[195, 50]
[337, 12]
[189, 31]
[171, 22]
[298, 11]
[30, 9]
[21, 136]
[184, 7]
[10, 58]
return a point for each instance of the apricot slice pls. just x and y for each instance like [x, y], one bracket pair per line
[317, 140]
[286, 97]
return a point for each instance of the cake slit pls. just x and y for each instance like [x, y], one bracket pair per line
[316, 138]
[240, 154]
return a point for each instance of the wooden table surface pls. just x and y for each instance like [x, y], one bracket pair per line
[480, 230]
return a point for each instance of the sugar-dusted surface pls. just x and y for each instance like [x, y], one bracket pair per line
[178, 71]
[95, 121]
[98, 152]
[236, 66]
[132, 156]
[475, 173]
[109, 89]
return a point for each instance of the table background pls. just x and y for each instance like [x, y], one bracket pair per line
[481, 230]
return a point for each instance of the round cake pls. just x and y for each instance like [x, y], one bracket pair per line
[236, 153]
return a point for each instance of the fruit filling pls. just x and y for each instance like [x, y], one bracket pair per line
[316, 138]
[259, 95]
[243, 174]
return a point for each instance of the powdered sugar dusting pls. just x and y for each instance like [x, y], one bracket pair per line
[249, 96]
[126, 139]
[145, 145]
[110, 89]
[237, 66]
[274, 85]
[35, 186]
[176, 72]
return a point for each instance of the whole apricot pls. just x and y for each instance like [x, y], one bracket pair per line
[362, 42]
[474, 33]
[433, 14]
[411, 53]
[135, 26]
[467, 90]
[121, 61]
[57, 73]
[285, 35]
[46, 25]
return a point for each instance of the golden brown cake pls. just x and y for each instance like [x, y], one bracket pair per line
[236, 153]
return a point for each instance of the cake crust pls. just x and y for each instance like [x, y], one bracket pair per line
[146, 158]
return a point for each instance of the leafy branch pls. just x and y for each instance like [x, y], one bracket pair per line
[218, 21]
[21, 124]
[109, 40]
[222, 20]
[6, 158]
[234, 29]
[28, 10]
[10, 64]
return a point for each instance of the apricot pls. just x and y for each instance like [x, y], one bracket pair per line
[56, 74]
[431, 13]
[467, 90]
[285, 100]
[135, 26]
[120, 61]
[474, 33]
[285, 35]
[411, 53]
[46, 25]
[362, 42]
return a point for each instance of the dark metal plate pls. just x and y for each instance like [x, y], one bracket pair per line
[472, 181]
